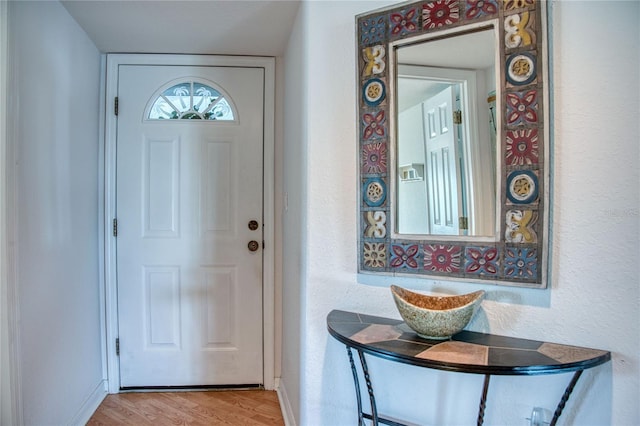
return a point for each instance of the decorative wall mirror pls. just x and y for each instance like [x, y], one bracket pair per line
[453, 141]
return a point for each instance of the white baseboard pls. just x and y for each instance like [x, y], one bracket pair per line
[90, 405]
[285, 405]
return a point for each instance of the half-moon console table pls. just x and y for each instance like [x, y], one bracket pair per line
[465, 352]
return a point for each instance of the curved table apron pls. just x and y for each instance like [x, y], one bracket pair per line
[465, 352]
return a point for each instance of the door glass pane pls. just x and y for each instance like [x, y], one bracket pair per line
[191, 101]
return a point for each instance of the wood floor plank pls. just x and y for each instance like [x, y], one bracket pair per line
[226, 411]
[266, 407]
[233, 408]
[119, 410]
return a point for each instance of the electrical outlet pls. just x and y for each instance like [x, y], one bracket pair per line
[537, 417]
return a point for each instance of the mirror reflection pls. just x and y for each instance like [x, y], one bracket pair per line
[446, 136]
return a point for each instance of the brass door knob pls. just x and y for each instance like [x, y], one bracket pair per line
[253, 245]
[253, 225]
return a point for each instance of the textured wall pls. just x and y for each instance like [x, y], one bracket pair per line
[54, 117]
[293, 219]
[593, 297]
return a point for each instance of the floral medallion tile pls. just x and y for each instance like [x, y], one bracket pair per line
[481, 260]
[372, 30]
[518, 4]
[522, 147]
[520, 226]
[404, 256]
[522, 107]
[374, 158]
[522, 187]
[374, 92]
[374, 255]
[403, 22]
[481, 8]
[374, 192]
[376, 224]
[442, 258]
[521, 69]
[374, 59]
[519, 30]
[440, 13]
[374, 125]
[521, 262]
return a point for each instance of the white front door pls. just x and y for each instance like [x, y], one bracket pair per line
[189, 285]
[443, 191]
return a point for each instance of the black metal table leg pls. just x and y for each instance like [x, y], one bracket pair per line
[483, 399]
[367, 379]
[362, 416]
[357, 384]
[565, 397]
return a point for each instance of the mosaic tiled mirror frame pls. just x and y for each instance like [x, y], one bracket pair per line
[519, 256]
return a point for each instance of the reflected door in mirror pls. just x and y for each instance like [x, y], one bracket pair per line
[444, 122]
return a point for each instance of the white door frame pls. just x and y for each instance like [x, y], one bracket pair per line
[111, 301]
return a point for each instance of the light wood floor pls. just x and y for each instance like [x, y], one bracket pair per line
[241, 407]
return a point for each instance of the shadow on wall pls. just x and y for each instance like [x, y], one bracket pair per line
[507, 295]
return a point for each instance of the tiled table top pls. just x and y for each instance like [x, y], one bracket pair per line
[468, 352]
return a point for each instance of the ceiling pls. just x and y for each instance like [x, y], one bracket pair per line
[223, 27]
[468, 51]
[474, 51]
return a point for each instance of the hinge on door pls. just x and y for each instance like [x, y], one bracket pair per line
[457, 117]
[463, 222]
[115, 227]
[115, 105]
[117, 346]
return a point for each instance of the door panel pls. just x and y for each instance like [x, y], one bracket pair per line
[189, 290]
[216, 177]
[161, 178]
[161, 303]
[443, 192]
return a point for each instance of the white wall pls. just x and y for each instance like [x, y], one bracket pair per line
[412, 214]
[53, 119]
[293, 216]
[594, 296]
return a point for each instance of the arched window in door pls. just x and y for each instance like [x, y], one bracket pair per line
[190, 100]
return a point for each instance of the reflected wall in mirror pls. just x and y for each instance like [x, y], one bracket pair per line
[445, 128]
[453, 140]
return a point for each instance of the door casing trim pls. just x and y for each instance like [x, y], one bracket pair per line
[110, 317]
